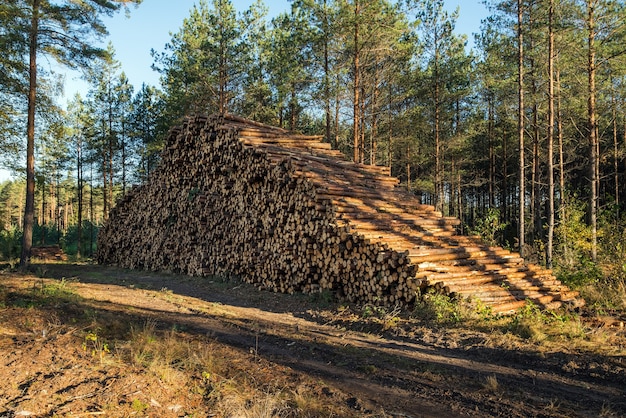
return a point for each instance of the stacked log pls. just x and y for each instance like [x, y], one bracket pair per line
[287, 213]
[48, 253]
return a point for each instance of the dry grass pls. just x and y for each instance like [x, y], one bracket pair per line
[491, 383]
[606, 296]
[236, 384]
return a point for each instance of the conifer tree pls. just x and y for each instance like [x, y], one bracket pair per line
[64, 30]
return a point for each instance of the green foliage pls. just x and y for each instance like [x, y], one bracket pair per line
[439, 308]
[585, 272]
[574, 265]
[10, 243]
[203, 65]
[139, 406]
[572, 255]
[96, 345]
[69, 240]
[489, 227]
[528, 322]
[191, 195]
[612, 244]
[536, 324]
[41, 294]
[55, 290]
[323, 298]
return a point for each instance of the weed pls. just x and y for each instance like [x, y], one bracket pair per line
[96, 345]
[323, 298]
[388, 318]
[544, 326]
[491, 383]
[480, 309]
[268, 405]
[41, 272]
[167, 294]
[606, 295]
[193, 192]
[528, 323]
[139, 406]
[606, 411]
[553, 406]
[367, 369]
[57, 290]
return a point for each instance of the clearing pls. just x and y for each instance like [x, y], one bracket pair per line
[85, 340]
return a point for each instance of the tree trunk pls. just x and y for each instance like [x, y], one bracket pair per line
[29, 215]
[79, 180]
[520, 128]
[490, 138]
[362, 124]
[336, 124]
[593, 129]
[111, 150]
[550, 135]
[505, 177]
[535, 183]
[123, 157]
[390, 134]
[91, 214]
[615, 151]
[373, 134]
[437, 131]
[42, 217]
[357, 82]
[562, 191]
[535, 198]
[292, 108]
[327, 77]
[408, 167]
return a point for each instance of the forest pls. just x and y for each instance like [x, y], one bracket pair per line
[522, 136]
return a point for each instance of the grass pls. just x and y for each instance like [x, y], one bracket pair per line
[606, 296]
[491, 383]
[225, 382]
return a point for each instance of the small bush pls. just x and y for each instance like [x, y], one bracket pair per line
[528, 323]
[489, 227]
[585, 273]
[438, 308]
[10, 243]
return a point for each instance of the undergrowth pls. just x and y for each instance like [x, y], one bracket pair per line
[234, 386]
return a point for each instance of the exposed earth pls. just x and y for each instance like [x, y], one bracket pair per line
[85, 340]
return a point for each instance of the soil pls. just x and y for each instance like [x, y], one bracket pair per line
[310, 356]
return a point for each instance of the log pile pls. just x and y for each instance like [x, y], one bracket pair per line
[287, 213]
[48, 253]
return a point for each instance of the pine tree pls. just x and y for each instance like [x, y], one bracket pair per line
[202, 66]
[63, 30]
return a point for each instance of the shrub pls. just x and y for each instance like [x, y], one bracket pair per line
[10, 243]
[489, 227]
[438, 308]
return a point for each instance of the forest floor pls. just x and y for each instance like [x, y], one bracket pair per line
[86, 340]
